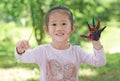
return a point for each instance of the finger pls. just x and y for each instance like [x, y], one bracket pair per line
[20, 47]
[102, 28]
[20, 50]
[26, 45]
[21, 44]
[93, 22]
[88, 25]
[84, 36]
[98, 25]
[97, 34]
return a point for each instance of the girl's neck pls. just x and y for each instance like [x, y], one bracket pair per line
[60, 46]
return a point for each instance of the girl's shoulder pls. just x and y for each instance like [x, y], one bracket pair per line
[43, 46]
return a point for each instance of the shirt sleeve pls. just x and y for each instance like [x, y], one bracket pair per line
[31, 55]
[98, 57]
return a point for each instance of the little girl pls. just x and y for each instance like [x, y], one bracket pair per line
[59, 60]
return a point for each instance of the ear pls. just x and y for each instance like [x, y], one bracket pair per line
[73, 28]
[46, 29]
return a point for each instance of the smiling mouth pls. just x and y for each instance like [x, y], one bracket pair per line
[60, 34]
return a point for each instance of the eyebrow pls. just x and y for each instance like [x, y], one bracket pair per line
[64, 20]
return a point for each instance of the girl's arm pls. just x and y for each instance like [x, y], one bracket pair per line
[98, 57]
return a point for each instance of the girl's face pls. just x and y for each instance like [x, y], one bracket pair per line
[59, 27]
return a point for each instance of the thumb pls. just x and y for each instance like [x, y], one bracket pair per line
[102, 28]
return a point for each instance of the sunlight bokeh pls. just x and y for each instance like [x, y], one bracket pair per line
[87, 72]
[17, 74]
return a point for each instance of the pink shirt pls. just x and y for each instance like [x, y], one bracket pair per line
[61, 65]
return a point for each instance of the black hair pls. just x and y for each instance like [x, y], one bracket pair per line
[66, 10]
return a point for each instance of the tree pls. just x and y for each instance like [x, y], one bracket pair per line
[37, 15]
[83, 10]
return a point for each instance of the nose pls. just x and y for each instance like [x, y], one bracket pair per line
[59, 27]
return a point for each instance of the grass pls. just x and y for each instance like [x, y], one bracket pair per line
[10, 71]
[109, 72]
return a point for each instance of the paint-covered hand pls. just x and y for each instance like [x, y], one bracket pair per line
[94, 31]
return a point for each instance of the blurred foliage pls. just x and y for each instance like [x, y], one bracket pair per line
[83, 10]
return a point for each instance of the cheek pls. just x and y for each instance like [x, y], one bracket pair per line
[50, 31]
[68, 32]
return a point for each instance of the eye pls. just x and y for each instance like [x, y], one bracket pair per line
[53, 24]
[63, 23]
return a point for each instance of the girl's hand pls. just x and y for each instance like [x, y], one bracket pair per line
[22, 46]
[94, 31]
